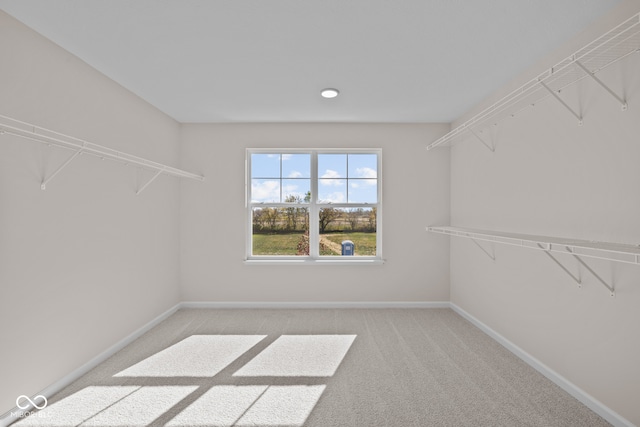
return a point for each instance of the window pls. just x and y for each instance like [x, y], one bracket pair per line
[314, 205]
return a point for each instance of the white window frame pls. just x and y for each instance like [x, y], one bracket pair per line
[314, 206]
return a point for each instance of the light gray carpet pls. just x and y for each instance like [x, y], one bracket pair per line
[314, 367]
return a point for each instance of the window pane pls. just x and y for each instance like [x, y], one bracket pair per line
[332, 165]
[363, 165]
[296, 166]
[363, 191]
[345, 205]
[332, 190]
[265, 166]
[340, 226]
[280, 231]
[296, 190]
[265, 190]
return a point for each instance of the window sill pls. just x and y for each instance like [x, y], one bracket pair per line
[307, 261]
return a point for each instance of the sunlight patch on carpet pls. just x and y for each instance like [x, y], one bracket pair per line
[225, 406]
[109, 406]
[283, 406]
[141, 407]
[299, 356]
[78, 407]
[219, 406]
[195, 356]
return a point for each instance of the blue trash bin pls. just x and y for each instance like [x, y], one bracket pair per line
[348, 248]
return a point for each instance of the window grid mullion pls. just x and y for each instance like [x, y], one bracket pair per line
[280, 177]
[347, 177]
[314, 214]
[248, 194]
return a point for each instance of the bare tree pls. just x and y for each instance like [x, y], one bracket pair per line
[293, 214]
[353, 217]
[373, 218]
[327, 216]
[258, 219]
[271, 217]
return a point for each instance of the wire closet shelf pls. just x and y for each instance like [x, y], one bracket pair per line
[617, 252]
[609, 48]
[46, 136]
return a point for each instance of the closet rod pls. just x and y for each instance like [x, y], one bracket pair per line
[613, 46]
[617, 252]
[43, 135]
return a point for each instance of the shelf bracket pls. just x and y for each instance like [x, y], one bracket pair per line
[490, 147]
[43, 185]
[606, 285]
[153, 178]
[555, 95]
[565, 269]
[622, 102]
[490, 255]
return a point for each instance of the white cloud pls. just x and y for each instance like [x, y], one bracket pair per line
[265, 191]
[286, 156]
[295, 174]
[362, 183]
[330, 178]
[368, 178]
[289, 188]
[330, 174]
[366, 173]
[337, 197]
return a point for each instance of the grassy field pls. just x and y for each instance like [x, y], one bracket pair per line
[276, 244]
[286, 244]
[365, 243]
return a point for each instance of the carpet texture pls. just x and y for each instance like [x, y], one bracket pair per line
[315, 368]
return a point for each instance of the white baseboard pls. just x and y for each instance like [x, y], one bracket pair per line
[71, 377]
[588, 400]
[582, 396]
[322, 304]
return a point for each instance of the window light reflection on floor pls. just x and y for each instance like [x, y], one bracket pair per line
[283, 406]
[219, 406]
[112, 406]
[225, 406]
[141, 407]
[222, 402]
[299, 356]
[195, 356]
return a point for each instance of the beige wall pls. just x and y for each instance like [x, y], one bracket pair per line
[549, 176]
[415, 193]
[86, 262]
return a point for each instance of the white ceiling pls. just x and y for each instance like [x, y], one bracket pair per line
[267, 60]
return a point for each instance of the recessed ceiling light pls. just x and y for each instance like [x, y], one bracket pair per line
[329, 93]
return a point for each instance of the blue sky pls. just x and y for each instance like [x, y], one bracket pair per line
[343, 178]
